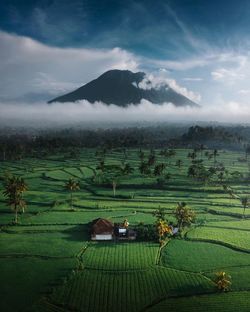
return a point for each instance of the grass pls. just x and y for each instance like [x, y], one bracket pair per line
[200, 257]
[120, 256]
[216, 302]
[126, 291]
[24, 281]
[231, 237]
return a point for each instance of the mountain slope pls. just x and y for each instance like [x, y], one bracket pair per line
[122, 87]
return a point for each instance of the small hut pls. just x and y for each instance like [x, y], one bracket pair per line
[102, 229]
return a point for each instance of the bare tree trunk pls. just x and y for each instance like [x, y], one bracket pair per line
[114, 188]
[71, 200]
[16, 214]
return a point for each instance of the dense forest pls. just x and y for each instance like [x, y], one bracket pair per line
[16, 144]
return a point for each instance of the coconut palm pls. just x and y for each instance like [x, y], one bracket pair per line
[159, 213]
[112, 175]
[72, 186]
[14, 187]
[159, 168]
[141, 155]
[215, 154]
[184, 215]
[127, 169]
[144, 168]
[245, 203]
[179, 163]
[22, 188]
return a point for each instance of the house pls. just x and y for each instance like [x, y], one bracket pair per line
[122, 232]
[102, 229]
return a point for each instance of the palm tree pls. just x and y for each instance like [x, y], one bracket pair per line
[184, 215]
[192, 155]
[22, 188]
[141, 155]
[101, 165]
[245, 204]
[127, 169]
[144, 168]
[151, 159]
[179, 163]
[113, 174]
[247, 151]
[159, 213]
[215, 154]
[14, 187]
[159, 168]
[72, 186]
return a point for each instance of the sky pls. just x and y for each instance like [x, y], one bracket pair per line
[201, 48]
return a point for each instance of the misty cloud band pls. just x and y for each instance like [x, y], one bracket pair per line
[83, 112]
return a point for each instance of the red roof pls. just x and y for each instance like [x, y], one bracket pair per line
[102, 226]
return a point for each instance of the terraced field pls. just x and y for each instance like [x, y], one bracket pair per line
[50, 264]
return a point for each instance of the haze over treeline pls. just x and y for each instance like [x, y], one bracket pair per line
[82, 112]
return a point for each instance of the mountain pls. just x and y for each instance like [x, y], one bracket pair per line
[123, 87]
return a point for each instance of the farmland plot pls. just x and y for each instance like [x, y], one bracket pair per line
[93, 290]
[120, 256]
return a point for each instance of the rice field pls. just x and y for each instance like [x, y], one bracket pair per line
[50, 264]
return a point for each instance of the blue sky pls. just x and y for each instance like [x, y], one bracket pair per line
[200, 47]
[161, 29]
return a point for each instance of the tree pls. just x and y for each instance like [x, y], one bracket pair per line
[245, 203]
[101, 165]
[184, 215]
[72, 186]
[163, 229]
[162, 180]
[144, 168]
[22, 188]
[151, 159]
[192, 155]
[168, 153]
[201, 148]
[198, 171]
[112, 175]
[141, 155]
[247, 151]
[127, 169]
[179, 163]
[159, 168]
[223, 281]
[215, 154]
[159, 213]
[14, 187]
[230, 192]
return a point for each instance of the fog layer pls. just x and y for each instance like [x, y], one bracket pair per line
[82, 112]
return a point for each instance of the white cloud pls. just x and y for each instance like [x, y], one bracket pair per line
[192, 79]
[244, 91]
[156, 82]
[83, 113]
[29, 66]
[207, 59]
[227, 75]
[194, 96]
